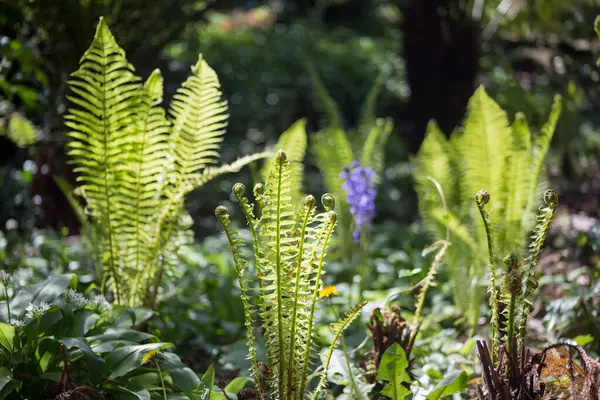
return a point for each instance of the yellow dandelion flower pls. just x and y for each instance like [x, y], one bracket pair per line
[328, 291]
[149, 356]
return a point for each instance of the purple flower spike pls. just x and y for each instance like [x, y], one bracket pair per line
[359, 185]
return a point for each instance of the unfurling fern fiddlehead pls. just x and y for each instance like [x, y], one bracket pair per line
[519, 277]
[289, 257]
[482, 199]
[540, 232]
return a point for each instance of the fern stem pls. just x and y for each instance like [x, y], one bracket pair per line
[363, 263]
[350, 316]
[138, 185]
[223, 218]
[332, 221]
[437, 261]
[281, 159]
[309, 203]
[349, 366]
[510, 325]
[482, 199]
[162, 381]
[107, 199]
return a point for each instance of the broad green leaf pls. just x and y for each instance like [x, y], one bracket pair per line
[392, 368]
[47, 291]
[125, 359]
[5, 379]
[140, 395]
[7, 334]
[120, 334]
[206, 387]
[236, 385]
[84, 321]
[96, 365]
[454, 383]
[185, 379]
[582, 340]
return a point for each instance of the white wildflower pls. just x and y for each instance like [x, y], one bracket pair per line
[101, 304]
[77, 299]
[6, 278]
[18, 323]
[36, 311]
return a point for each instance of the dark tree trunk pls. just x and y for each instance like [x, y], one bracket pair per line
[441, 51]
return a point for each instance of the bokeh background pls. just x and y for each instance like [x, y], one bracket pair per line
[431, 53]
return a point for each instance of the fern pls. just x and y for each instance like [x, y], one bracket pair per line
[540, 232]
[293, 141]
[365, 144]
[289, 249]
[514, 296]
[487, 153]
[337, 329]
[135, 164]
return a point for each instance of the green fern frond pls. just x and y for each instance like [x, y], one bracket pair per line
[325, 236]
[517, 186]
[199, 119]
[513, 278]
[277, 263]
[337, 328]
[368, 110]
[541, 144]
[293, 141]
[241, 265]
[433, 160]
[437, 262]
[211, 172]
[326, 106]
[324, 144]
[486, 153]
[289, 250]
[482, 199]
[107, 94]
[373, 151]
[135, 165]
[540, 232]
[486, 138]
[144, 184]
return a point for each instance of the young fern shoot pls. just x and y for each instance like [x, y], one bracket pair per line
[289, 257]
[513, 296]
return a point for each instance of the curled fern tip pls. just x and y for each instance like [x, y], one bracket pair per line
[482, 197]
[239, 189]
[310, 201]
[281, 156]
[221, 211]
[259, 189]
[550, 197]
[328, 201]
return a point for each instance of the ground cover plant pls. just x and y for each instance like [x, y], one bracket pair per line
[454, 273]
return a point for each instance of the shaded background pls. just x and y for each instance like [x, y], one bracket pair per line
[433, 53]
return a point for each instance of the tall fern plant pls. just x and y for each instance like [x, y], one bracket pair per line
[135, 162]
[336, 148]
[488, 152]
[289, 249]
